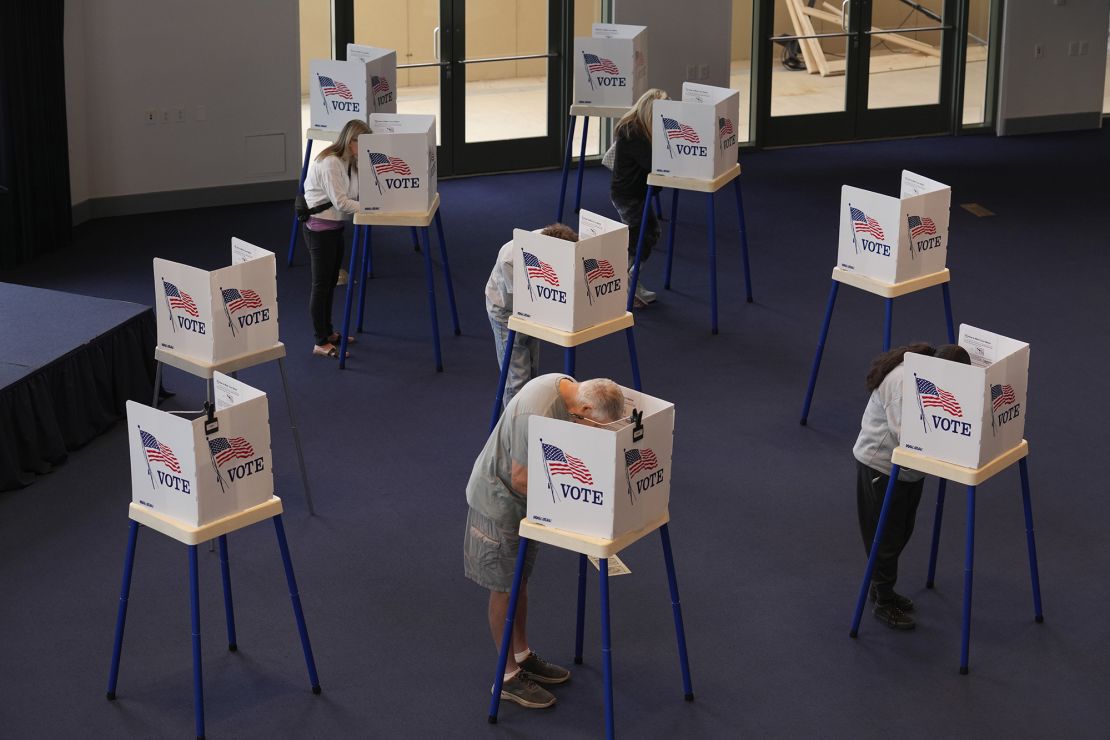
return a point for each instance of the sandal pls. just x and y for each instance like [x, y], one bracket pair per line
[327, 350]
[334, 338]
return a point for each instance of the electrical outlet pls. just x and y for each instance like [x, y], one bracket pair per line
[179, 114]
[1038, 51]
[165, 115]
[703, 72]
[691, 72]
[149, 117]
[202, 113]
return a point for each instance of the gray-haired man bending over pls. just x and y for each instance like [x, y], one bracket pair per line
[496, 495]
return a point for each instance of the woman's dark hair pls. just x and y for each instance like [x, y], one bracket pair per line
[887, 361]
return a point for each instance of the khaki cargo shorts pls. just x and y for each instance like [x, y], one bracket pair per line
[489, 553]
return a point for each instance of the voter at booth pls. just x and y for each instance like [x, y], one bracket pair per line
[332, 181]
[879, 435]
[628, 188]
[496, 495]
[524, 362]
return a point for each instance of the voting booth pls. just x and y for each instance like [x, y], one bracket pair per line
[695, 137]
[381, 69]
[397, 164]
[895, 239]
[571, 286]
[220, 315]
[602, 481]
[338, 92]
[197, 471]
[967, 414]
[611, 66]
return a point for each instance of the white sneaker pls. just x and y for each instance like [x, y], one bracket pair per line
[645, 295]
[344, 276]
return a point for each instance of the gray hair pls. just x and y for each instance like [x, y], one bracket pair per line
[604, 397]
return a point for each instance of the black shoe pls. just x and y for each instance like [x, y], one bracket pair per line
[540, 671]
[902, 602]
[889, 614]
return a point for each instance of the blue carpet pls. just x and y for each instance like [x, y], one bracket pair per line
[763, 519]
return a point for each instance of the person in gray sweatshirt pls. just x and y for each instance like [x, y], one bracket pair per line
[879, 436]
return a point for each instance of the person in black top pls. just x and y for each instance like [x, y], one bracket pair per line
[628, 189]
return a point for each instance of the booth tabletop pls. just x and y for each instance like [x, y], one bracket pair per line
[586, 544]
[191, 535]
[693, 183]
[570, 338]
[890, 290]
[203, 369]
[373, 218]
[958, 473]
[599, 111]
[319, 134]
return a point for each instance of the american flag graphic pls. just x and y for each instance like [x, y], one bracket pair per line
[158, 452]
[862, 222]
[180, 299]
[676, 130]
[379, 84]
[598, 269]
[237, 300]
[640, 460]
[1002, 395]
[383, 163]
[560, 463]
[331, 87]
[224, 449]
[537, 268]
[594, 63]
[920, 225]
[932, 396]
[725, 127]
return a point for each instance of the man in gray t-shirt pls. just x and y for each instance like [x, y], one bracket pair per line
[496, 494]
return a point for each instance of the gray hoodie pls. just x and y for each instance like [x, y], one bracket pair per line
[881, 427]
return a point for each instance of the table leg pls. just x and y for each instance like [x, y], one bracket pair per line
[948, 313]
[229, 608]
[121, 615]
[866, 585]
[364, 272]
[157, 382]
[676, 607]
[658, 206]
[580, 621]
[581, 164]
[633, 358]
[1038, 614]
[670, 238]
[634, 276]
[348, 301]
[300, 190]
[969, 563]
[428, 277]
[566, 169]
[743, 239]
[504, 376]
[606, 648]
[296, 436]
[568, 361]
[820, 351]
[295, 597]
[194, 612]
[712, 219]
[887, 321]
[507, 635]
[936, 533]
[368, 249]
[415, 239]
[447, 275]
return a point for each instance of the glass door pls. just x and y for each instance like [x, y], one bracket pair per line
[855, 69]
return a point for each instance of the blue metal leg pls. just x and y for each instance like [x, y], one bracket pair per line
[432, 298]
[1034, 575]
[887, 322]
[447, 275]
[295, 597]
[658, 207]
[634, 276]
[194, 611]
[866, 585]
[670, 238]
[296, 436]
[365, 272]
[820, 351]
[676, 607]
[504, 376]
[580, 621]
[712, 218]
[743, 239]
[507, 635]
[229, 607]
[581, 164]
[936, 534]
[368, 267]
[969, 562]
[300, 190]
[606, 647]
[568, 361]
[415, 239]
[633, 358]
[566, 169]
[121, 615]
[347, 302]
[948, 313]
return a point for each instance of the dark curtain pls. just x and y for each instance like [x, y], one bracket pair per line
[34, 151]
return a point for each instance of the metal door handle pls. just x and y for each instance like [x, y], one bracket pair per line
[844, 15]
[435, 43]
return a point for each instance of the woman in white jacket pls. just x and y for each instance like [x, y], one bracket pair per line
[332, 178]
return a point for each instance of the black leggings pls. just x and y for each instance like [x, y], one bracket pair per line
[325, 250]
[870, 490]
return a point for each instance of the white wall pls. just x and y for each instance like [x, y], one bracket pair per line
[1056, 84]
[233, 66]
[682, 34]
